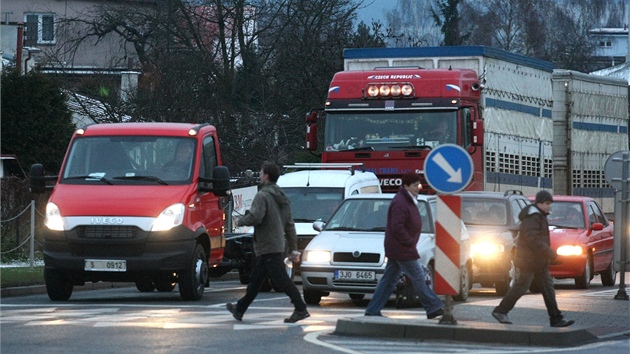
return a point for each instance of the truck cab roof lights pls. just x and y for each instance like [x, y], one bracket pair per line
[193, 131]
[79, 131]
[390, 90]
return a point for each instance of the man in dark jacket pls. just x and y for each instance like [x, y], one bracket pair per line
[270, 214]
[402, 233]
[533, 254]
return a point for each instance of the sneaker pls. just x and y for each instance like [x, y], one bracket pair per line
[435, 314]
[232, 308]
[562, 323]
[501, 317]
[296, 316]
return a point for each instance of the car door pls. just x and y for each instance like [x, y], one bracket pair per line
[601, 241]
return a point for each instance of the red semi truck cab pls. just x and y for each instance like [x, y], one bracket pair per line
[138, 202]
[390, 118]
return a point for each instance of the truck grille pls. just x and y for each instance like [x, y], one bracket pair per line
[107, 231]
[347, 257]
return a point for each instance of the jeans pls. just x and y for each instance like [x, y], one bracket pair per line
[430, 301]
[523, 281]
[271, 265]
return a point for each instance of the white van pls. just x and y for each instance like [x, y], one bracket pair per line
[317, 189]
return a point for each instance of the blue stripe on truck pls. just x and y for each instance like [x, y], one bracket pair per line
[600, 127]
[517, 107]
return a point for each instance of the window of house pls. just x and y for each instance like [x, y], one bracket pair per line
[39, 29]
[605, 43]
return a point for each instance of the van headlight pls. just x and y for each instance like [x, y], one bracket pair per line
[53, 220]
[486, 249]
[169, 218]
[317, 256]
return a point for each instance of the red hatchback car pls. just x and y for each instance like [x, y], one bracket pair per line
[583, 238]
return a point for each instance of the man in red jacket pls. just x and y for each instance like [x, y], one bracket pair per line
[533, 255]
[402, 233]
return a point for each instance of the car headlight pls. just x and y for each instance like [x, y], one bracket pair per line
[53, 220]
[169, 218]
[317, 256]
[485, 249]
[568, 250]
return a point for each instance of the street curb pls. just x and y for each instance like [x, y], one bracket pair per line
[479, 332]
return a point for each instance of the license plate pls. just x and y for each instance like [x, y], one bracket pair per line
[105, 265]
[356, 275]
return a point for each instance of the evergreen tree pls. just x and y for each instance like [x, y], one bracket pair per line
[36, 122]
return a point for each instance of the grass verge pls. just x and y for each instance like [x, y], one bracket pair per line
[21, 276]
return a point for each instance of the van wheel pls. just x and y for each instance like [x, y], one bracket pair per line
[145, 285]
[192, 281]
[165, 285]
[58, 285]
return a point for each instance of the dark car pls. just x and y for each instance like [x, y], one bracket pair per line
[492, 222]
[583, 238]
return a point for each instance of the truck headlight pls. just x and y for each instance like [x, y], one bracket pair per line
[486, 249]
[169, 218]
[53, 220]
[317, 256]
[568, 250]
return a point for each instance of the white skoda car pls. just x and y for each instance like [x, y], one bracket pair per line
[348, 255]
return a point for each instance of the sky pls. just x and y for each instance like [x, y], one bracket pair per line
[375, 9]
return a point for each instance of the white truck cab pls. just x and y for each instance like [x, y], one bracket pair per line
[317, 189]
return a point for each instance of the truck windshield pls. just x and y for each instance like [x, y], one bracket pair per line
[130, 160]
[309, 204]
[389, 130]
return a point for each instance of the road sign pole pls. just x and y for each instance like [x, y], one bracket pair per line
[623, 223]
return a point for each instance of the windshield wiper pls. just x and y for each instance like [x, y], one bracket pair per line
[102, 179]
[364, 148]
[565, 227]
[303, 220]
[414, 147]
[344, 228]
[143, 178]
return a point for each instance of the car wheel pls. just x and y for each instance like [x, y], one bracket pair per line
[357, 296]
[609, 276]
[192, 281]
[145, 285]
[464, 287]
[584, 280]
[312, 297]
[58, 285]
[503, 286]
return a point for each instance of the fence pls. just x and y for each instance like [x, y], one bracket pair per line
[20, 219]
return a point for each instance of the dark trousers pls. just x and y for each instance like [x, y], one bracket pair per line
[524, 279]
[271, 265]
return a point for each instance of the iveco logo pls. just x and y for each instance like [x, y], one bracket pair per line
[356, 254]
[107, 220]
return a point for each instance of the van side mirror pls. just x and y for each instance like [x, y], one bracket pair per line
[37, 183]
[221, 180]
[477, 132]
[311, 131]
[598, 226]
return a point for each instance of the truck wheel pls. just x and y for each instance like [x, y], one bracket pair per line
[312, 297]
[145, 285]
[192, 281]
[58, 285]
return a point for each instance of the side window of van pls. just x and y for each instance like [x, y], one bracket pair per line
[209, 158]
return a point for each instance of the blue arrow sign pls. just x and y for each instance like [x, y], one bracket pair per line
[448, 168]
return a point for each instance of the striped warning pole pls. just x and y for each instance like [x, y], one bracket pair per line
[447, 251]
